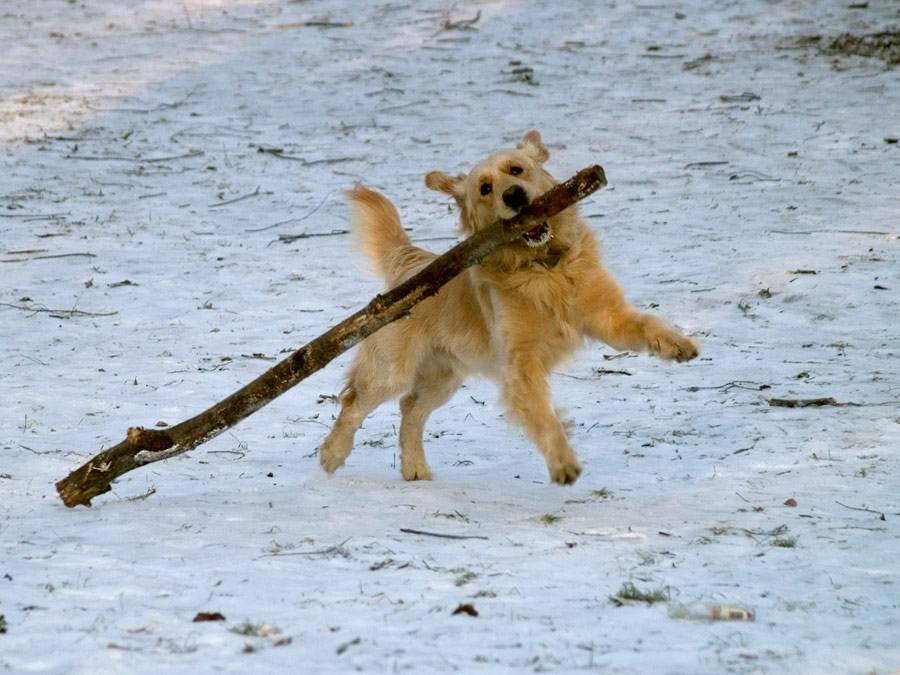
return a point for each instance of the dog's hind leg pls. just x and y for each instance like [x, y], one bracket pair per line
[436, 382]
[355, 407]
[374, 378]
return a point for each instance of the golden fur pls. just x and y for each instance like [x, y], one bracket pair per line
[513, 318]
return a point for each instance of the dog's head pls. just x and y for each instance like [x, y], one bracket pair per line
[499, 187]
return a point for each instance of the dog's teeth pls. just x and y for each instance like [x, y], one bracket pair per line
[536, 241]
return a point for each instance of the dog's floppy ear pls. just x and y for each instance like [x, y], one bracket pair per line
[532, 146]
[442, 182]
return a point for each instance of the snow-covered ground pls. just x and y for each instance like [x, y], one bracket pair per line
[156, 153]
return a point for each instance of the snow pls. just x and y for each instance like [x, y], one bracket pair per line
[142, 196]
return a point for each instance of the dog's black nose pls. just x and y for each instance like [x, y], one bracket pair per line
[515, 198]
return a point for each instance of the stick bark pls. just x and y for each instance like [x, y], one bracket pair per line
[143, 446]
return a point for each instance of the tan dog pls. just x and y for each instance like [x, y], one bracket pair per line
[513, 318]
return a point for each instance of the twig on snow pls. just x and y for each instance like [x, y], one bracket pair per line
[288, 238]
[736, 384]
[236, 199]
[56, 312]
[279, 153]
[827, 401]
[607, 371]
[462, 24]
[33, 216]
[48, 257]
[862, 508]
[292, 220]
[407, 530]
[140, 498]
[138, 160]
[316, 24]
[337, 549]
[144, 111]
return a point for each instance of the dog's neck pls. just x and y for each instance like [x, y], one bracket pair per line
[550, 258]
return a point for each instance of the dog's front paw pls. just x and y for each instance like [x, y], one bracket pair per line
[675, 346]
[564, 471]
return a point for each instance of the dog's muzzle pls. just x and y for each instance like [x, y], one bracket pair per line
[516, 199]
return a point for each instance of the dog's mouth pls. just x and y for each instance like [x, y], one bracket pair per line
[538, 236]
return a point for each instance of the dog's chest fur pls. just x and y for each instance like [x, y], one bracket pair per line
[539, 296]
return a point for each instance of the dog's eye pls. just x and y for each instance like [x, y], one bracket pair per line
[515, 170]
[486, 188]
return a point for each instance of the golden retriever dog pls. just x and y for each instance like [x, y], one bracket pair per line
[513, 318]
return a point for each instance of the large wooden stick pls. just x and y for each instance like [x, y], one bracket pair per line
[143, 446]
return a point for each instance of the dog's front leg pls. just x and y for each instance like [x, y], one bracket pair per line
[626, 328]
[527, 397]
[609, 317]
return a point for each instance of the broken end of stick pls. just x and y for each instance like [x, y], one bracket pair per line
[595, 177]
[72, 492]
[94, 477]
[85, 483]
[584, 183]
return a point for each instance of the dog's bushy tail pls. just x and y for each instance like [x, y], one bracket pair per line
[382, 238]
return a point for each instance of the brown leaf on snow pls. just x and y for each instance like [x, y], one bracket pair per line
[208, 616]
[344, 647]
[805, 402]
